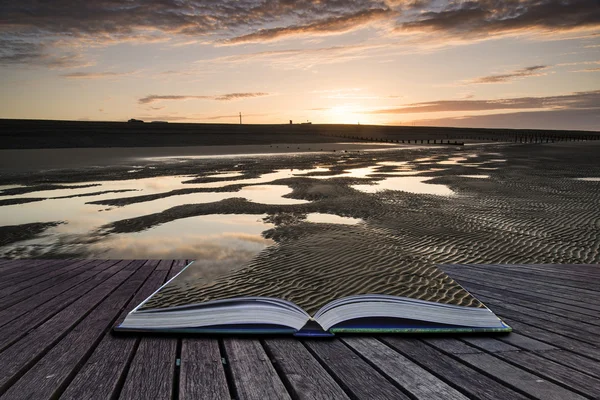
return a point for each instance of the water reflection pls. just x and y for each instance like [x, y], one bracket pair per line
[213, 238]
[320, 218]
[412, 184]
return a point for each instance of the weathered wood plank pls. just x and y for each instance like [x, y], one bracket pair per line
[526, 343]
[352, 373]
[32, 272]
[546, 301]
[467, 280]
[164, 350]
[552, 324]
[7, 267]
[301, 371]
[202, 375]
[22, 266]
[102, 374]
[564, 276]
[254, 377]
[463, 378]
[580, 363]
[451, 345]
[489, 344]
[554, 339]
[42, 277]
[151, 373]
[518, 378]
[26, 290]
[527, 282]
[17, 328]
[20, 356]
[591, 325]
[411, 377]
[38, 298]
[51, 373]
[565, 376]
[570, 272]
[176, 268]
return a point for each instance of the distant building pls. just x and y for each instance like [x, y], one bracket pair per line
[135, 121]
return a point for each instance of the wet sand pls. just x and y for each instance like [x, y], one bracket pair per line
[533, 207]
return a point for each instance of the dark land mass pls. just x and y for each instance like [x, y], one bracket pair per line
[16, 233]
[46, 134]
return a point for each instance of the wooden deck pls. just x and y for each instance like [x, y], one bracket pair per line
[56, 342]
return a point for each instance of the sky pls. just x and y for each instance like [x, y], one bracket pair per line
[489, 63]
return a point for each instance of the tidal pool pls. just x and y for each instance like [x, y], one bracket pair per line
[412, 184]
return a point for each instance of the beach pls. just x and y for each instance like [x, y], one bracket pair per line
[358, 214]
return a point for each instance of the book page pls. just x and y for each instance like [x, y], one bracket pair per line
[308, 273]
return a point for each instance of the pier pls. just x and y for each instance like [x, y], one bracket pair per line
[56, 341]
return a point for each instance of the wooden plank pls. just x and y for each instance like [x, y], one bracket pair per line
[518, 378]
[564, 280]
[573, 380]
[463, 378]
[489, 344]
[526, 343]
[46, 378]
[580, 363]
[555, 339]
[411, 377]
[26, 290]
[301, 372]
[570, 270]
[22, 266]
[103, 373]
[466, 280]
[158, 379]
[8, 267]
[20, 356]
[151, 373]
[451, 345]
[39, 279]
[176, 268]
[548, 301]
[35, 268]
[539, 311]
[587, 294]
[551, 324]
[19, 327]
[352, 373]
[541, 270]
[202, 375]
[36, 299]
[254, 377]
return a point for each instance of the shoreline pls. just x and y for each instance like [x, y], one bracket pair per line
[29, 160]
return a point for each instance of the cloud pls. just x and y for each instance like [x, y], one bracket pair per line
[20, 50]
[588, 70]
[222, 97]
[328, 26]
[95, 75]
[503, 78]
[577, 100]
[487, 18]
[297, 58]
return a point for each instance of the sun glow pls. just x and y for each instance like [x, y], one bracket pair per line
[346, 114]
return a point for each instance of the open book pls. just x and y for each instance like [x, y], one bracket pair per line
[189, 304]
